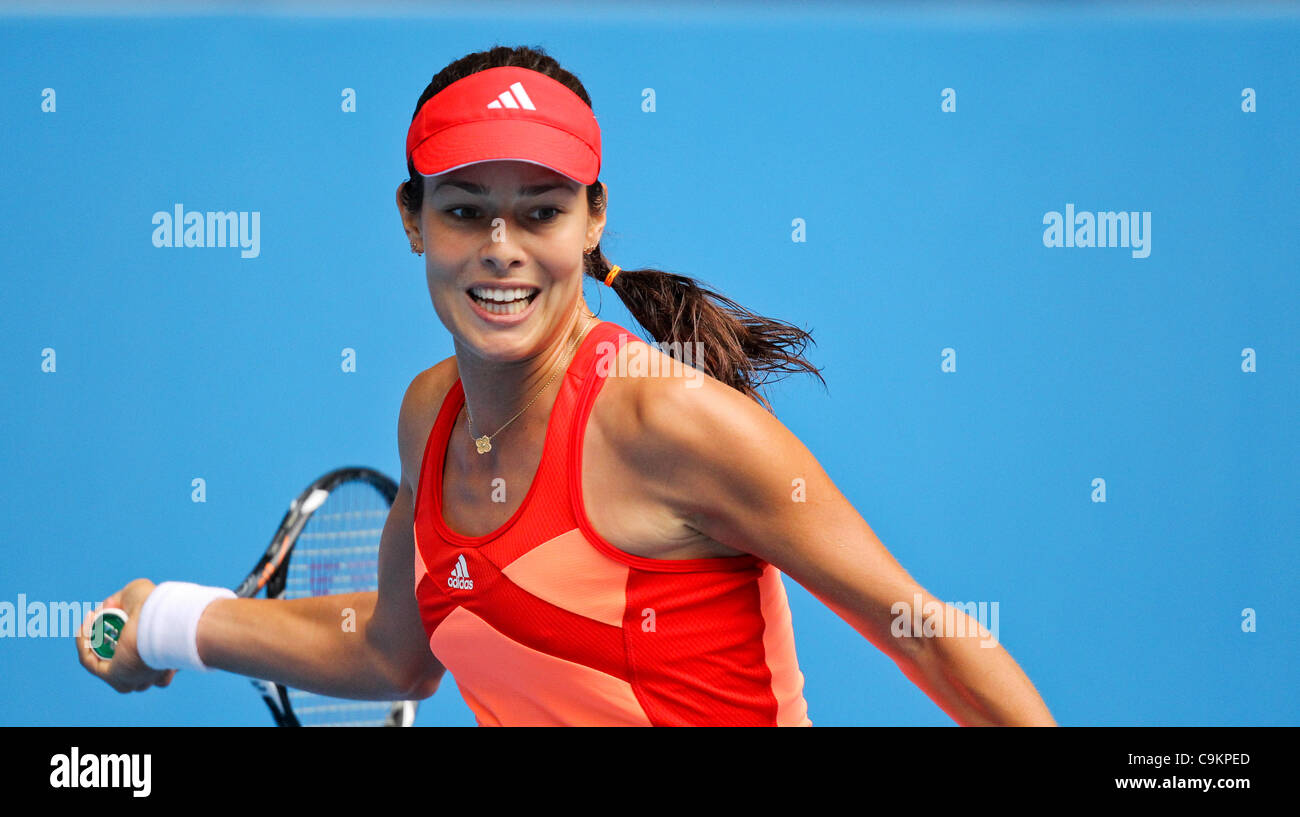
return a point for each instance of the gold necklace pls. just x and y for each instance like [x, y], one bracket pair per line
[484, 444]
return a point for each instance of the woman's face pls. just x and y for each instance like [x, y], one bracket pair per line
[503, 247]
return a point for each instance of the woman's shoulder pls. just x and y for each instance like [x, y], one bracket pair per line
[675, 430]
[653, 400]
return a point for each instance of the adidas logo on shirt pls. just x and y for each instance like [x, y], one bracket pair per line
[506, 100]
[459, 578]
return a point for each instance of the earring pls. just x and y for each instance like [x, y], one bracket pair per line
[414, 250]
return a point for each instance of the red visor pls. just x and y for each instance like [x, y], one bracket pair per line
[506, 113]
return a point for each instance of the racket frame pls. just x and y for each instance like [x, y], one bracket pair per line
[272, 570]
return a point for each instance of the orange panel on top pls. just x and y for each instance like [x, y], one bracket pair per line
[515, 684]
[779, 652]
[569, 573]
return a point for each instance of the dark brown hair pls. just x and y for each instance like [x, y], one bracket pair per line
[742, 349]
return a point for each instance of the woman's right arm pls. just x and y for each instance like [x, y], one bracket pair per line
[357, 645]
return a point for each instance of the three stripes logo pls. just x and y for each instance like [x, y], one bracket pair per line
[519, 99]
[459, 578]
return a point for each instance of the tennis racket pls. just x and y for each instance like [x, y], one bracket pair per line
[327, 542]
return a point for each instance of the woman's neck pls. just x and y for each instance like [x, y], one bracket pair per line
[495, 392]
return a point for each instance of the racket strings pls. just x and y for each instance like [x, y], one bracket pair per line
[338, 552]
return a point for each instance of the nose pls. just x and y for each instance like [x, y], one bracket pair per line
[500, 252]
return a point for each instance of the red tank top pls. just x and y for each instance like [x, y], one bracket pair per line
[543, 622]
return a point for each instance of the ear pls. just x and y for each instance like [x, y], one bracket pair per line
[596, 224]
[410, 221]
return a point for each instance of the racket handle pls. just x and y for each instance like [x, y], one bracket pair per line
[105, 629]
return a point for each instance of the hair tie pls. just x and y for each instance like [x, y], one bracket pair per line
[609, 279]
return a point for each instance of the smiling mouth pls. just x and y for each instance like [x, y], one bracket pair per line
[507, 303]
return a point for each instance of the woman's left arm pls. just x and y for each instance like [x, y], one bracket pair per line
[736, 474]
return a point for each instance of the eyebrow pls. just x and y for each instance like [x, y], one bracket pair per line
[526, 190]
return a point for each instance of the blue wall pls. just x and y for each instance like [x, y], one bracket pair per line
[924, 232]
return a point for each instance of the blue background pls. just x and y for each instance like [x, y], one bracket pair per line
[924, 231]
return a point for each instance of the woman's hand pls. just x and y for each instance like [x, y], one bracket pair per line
[125, 672]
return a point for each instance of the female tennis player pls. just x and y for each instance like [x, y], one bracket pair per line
[588, 531]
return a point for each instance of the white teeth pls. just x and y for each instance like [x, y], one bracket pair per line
[512, 308]
[501, 295]
[502, 301]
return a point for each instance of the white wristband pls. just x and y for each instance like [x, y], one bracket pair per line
[167, 634]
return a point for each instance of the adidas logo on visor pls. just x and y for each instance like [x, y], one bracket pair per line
[507, 100]
[459, 578]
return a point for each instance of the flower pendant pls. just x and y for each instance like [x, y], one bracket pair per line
[483, 443]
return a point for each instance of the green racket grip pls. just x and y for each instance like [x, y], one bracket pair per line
[105, 629]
